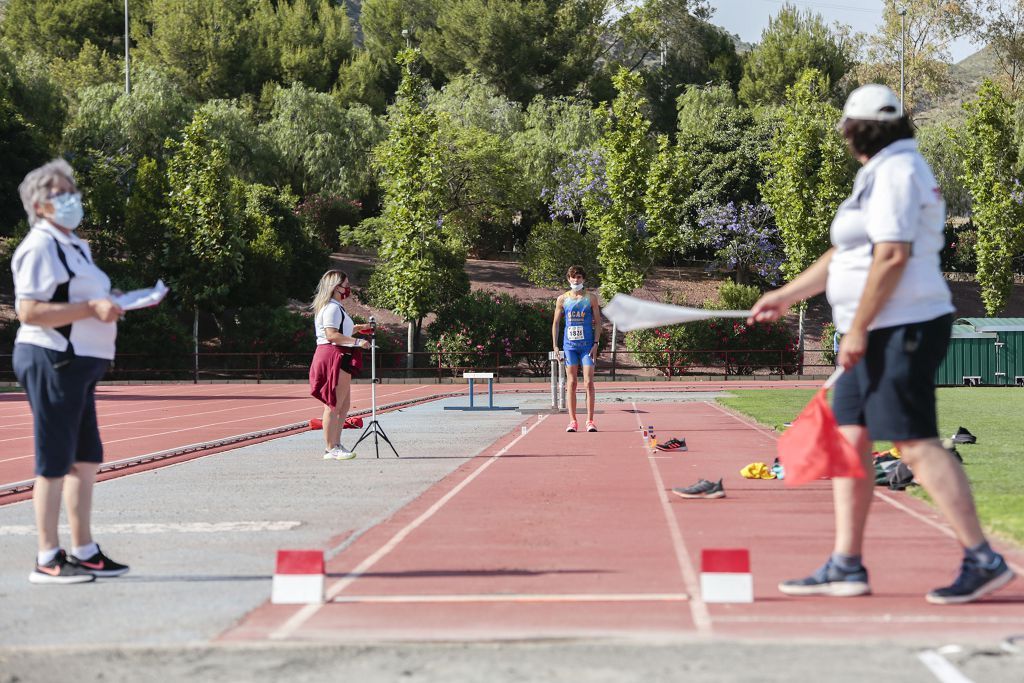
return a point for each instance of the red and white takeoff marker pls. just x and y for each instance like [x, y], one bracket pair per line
[725, 575]
[298, 578]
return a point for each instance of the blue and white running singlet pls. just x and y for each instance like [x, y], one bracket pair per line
[579, 324]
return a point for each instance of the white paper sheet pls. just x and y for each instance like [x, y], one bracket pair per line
[630, 313]
[142, 298]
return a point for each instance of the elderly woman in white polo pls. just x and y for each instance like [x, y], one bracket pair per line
[63, 347]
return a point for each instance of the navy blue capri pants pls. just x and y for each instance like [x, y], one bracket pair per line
[61, 391]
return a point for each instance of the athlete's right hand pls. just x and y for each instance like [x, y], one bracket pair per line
[768, 308]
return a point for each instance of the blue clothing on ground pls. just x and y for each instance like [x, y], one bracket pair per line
[579, 324]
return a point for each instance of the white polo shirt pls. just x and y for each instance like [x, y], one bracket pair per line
[332, 315]
[38, 272]
[895, 198]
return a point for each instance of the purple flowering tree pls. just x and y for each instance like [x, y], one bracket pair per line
[746, 241]
[582, 173]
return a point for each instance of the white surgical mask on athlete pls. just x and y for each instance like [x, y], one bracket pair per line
[576, 287]
[67, 210]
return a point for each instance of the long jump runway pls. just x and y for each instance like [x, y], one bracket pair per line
[555, 535]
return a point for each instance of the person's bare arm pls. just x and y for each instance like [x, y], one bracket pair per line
[888, 261]
[596, 307]
[555, 324]
[335, 337]
[54, 314]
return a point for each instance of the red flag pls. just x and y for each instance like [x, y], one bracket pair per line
[812, 448]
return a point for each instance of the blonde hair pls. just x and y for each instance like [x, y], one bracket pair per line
[325, 290]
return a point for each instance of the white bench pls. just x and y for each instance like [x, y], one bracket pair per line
[472, 377]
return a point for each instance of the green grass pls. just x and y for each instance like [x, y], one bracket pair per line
[993, 464]
[7, 390]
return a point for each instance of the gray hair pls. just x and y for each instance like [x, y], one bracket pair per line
[36, 187]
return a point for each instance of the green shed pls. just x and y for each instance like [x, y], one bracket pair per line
[984, 352]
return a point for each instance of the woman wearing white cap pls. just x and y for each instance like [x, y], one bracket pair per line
[893, 309]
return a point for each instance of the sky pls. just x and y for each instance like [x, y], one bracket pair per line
[748, 18]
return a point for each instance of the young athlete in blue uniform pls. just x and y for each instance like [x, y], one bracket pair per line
[582, 314]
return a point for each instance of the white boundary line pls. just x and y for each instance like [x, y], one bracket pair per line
[514, 597]
[296, 621]
[698, 608]
[941, 668]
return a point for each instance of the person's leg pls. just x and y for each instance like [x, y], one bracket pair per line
[851, 497]
[78, 489]
[344, 401]
[46, 501]
[944, 480]
[570, 389]
[328, 425]
[588, 383]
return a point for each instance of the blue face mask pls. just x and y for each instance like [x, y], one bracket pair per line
[67, 210]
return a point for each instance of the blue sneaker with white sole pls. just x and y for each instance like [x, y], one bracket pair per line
[973, 582]
[830, 581]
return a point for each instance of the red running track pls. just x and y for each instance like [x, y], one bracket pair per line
[558, 535]
[141, 419]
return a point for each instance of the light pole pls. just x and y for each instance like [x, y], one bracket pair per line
[127, 72]
[903, 54]
[405, 34]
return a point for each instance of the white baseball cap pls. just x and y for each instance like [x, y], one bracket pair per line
[872, 102]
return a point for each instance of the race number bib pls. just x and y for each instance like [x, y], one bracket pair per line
[574, 333]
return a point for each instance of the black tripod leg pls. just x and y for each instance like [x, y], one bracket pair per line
[384, 436]
[366, 433]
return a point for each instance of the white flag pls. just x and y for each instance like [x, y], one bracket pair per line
[630, 313]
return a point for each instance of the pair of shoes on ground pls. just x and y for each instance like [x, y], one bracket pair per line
[702, 489]
[672, 445]
[339, 452]
[67, 569]
[575, 427]
[973, 582]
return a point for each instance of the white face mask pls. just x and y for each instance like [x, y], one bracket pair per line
[576, 287]
[67, 210]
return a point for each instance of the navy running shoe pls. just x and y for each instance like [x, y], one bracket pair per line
[830, 580]
[973, 582]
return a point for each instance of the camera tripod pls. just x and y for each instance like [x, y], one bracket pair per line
[374, 427]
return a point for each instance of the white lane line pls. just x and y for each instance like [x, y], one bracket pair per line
[514, 597]
[287, 629]
[698, 608]
[941, 668]
[868, 619]
[163, 528]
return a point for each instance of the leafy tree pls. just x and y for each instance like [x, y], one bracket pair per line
[250, 153]
[676, 45]
[698, 107]
[808, 174]
[793, 42]
[999, 25]
[990, 162]
[363, 79]
[307, 41]
[137, 124]
[552, 248]
[23, 143]
[321, 145]
[419, 269]
[204, 252]
[91, 67]
[745, 242]
[938, 145]
[582, 174]
[492, 39]
[59, 28]
[930, 26]
[620, 223]
[668, 180]
[211, 48]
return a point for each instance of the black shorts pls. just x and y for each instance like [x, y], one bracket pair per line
[891, 391]
[63, 403]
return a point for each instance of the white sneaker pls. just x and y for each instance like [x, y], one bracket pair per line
[339, 453]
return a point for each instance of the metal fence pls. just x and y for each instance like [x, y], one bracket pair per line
[428, 366]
